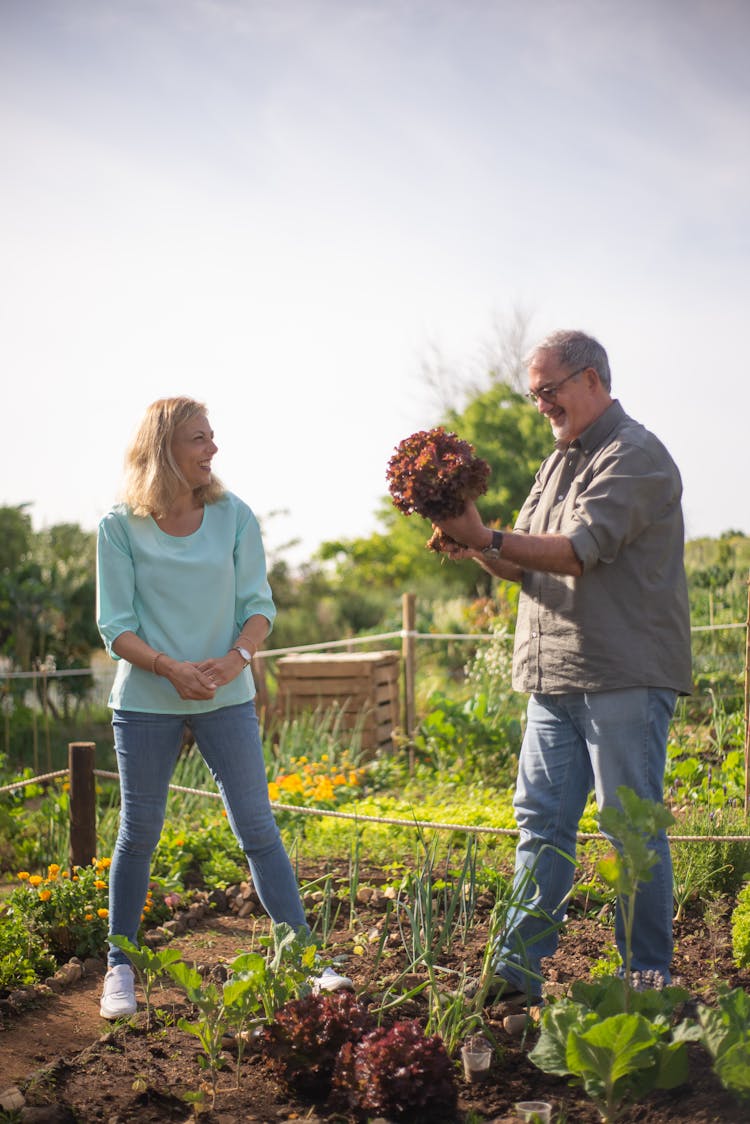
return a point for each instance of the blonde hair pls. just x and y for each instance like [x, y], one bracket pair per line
[152, 479]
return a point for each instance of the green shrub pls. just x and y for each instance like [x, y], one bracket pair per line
[741, 929]
[23, 955]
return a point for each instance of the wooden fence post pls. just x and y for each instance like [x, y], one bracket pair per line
[408, 653]
[747, 702]
[82, 803]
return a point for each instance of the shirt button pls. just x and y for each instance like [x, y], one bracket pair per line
[533, 636]
[560, 497]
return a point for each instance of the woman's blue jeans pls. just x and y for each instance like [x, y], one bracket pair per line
[575, 743]
[147, 747]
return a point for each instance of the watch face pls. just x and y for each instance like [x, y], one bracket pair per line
[245, 654]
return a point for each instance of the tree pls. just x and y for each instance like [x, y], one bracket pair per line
[47, 597]
[513, 437]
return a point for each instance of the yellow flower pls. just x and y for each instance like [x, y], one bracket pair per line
[273, 790]
[35, 880]
[323, 790]
[24, 875]
[292, 783]
[324, 757]
[65, 874]
[88, 917]
[106, 864]
[102, 913]
[53, 869]
[302, 760]
[353, 778]
[339, 779]
[45, 895]
[99, 885]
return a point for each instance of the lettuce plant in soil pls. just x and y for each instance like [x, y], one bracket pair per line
[397, 1073]
[307, 1034]
[435, 473]
[617, 1040]
[726, 1036]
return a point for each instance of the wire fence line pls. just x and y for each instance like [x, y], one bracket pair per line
[322, 645]
[356, 817]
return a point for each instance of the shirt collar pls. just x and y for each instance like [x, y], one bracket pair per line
[599, 430]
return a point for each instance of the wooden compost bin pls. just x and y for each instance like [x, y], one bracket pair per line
[363, 685]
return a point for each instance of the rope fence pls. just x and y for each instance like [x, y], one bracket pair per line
[323, 645]
[81, 763]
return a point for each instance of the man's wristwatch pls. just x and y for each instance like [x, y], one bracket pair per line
[247, 656]
[494, 550]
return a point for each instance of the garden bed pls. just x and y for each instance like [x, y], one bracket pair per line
[59, 1052]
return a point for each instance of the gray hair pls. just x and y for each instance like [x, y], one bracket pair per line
[575, 349]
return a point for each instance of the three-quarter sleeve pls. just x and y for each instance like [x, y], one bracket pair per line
[253, 592]
[115, 583]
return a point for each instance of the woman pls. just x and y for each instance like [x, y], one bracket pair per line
[183, 605]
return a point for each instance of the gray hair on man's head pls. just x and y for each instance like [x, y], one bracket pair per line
[576, 350]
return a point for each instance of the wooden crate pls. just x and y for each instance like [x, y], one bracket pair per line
[363, 685]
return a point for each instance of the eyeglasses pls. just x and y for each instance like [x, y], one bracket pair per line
[548, 394]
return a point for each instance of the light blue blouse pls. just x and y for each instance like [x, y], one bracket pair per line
[188, 597]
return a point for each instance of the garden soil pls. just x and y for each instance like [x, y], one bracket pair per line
[62, 1055]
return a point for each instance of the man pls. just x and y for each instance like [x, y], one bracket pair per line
[602, 645]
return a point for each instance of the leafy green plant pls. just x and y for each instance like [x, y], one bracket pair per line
[632, 825]
[614, 1038]
[708, 867]
[68, 912]
[726, 1036]
[24, 958]
[209, 1024]
[618, 1058]
[741, 928]
[151, 965]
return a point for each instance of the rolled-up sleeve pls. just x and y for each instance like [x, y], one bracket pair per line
[629, 492]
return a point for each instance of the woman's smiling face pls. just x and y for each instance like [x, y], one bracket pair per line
[192, 450]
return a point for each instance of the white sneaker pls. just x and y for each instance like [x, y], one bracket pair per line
[330, 980]
[118, 996]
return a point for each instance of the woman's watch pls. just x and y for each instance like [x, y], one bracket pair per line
[246, 656]
[494, 550]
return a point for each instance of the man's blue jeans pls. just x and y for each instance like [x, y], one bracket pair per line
[575, 743]
[147, 747]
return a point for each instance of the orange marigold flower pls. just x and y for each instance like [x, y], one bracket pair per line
[338, 779]
[273, 790]
[99, 885]
[24, 875]
[323, 790]
[291, 783]
[88, 917]
[53, 869]
[35, 880]
[102, 913]
[45, 895]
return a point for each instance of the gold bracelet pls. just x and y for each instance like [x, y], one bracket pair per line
[153, 662]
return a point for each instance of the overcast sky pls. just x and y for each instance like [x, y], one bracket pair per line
[284, 209]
